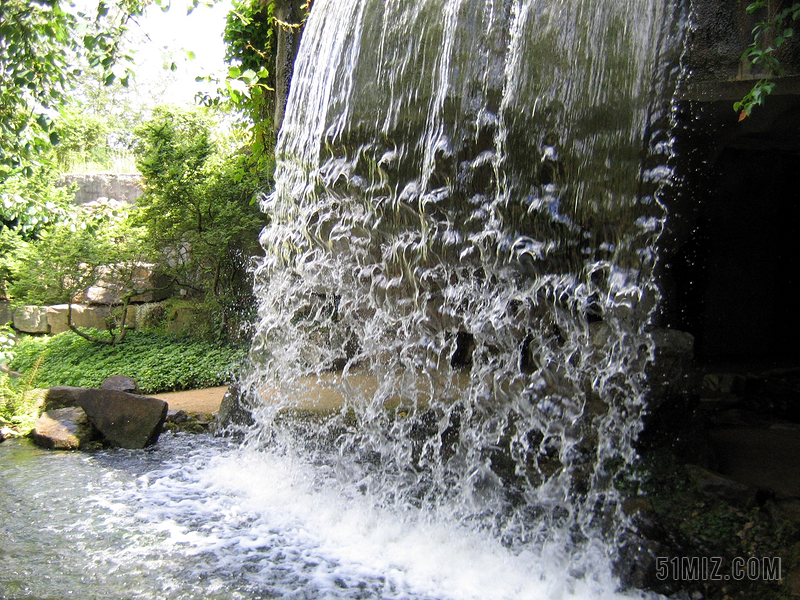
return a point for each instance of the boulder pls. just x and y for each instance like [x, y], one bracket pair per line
[149, 315]
[124, 420]
[124, 188]
[31, 319]
[61, 397]
[184, 318]
[110, 290]
[715, 485]
[671, 374]
[63, 429]
[82, 316]
[120, 383]
[235, 412]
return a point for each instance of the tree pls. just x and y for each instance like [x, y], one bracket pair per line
[41, 42]
[95, 246]
[200, 206]
[262, 38]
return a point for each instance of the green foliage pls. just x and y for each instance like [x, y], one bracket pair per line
[29, 205]
[251, 50]
[83, 139]
[768, 37]
[40, 44]
[7, 341]
[200, 206]
[94, 242]
[158, 362]
[19, 404]
[250, 37]
[94, 247]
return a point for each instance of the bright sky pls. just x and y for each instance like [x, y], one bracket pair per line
[172, 35]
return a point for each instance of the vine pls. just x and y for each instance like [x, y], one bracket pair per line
[768, 36]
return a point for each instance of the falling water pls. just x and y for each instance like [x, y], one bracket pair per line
[458, 282]
[448, 371]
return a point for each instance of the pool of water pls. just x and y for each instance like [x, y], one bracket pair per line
[197, 517]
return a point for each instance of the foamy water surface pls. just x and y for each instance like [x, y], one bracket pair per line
[196, 517]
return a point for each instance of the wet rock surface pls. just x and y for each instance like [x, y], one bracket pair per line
[720, 480]
[235, 412]
[124, 420]
[120, 383]
[63, 429]
[179, 421]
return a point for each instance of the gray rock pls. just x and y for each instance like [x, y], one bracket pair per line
[235, 412]
[31, 319]
[82, 316]
[110, 289]
[120, 383]
[63, 429]
[716, 485]
[149, 315]
[177, 416]
[123, 187]
[61, 397]
[672, 373]
[125, 420]
[720, 32]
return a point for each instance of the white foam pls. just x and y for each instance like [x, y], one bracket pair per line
[255, 513]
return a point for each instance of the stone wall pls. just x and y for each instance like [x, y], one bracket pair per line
[123, 187]
[720, 32]
[53, 319]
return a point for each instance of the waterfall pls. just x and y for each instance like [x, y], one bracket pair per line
[458, 282]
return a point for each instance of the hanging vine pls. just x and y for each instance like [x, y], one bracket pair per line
[768, 37]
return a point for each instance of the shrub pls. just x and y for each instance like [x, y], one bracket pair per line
[158, 362]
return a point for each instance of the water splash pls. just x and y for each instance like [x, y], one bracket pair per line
[459, 266]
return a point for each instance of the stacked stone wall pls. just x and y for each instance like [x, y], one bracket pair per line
[122, 187]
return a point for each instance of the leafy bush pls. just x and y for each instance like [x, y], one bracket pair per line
[200, 209]
[158, 362]
[19, 404]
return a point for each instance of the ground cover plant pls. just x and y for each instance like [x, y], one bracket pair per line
[158, 362]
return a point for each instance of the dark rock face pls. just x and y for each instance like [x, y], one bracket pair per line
[61, 396]
[120, 383]
[721, 32]
[235, 412]
[671, 374]
[63, 429]
[125, 420]
[715, 485]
